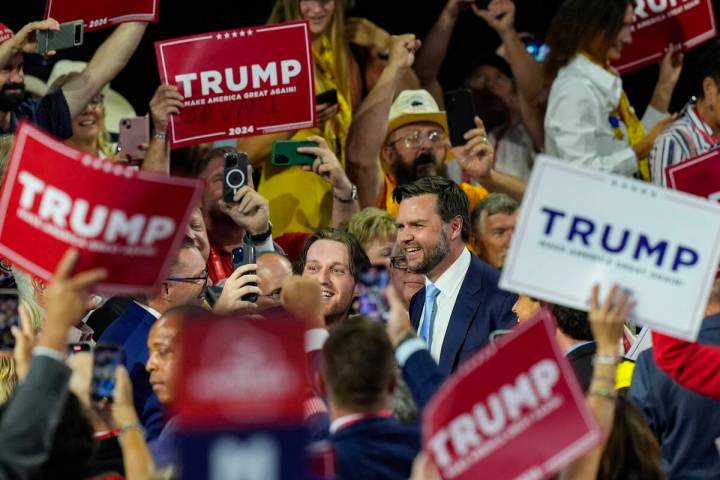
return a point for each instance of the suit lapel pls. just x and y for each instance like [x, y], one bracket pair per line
[462, 316]
[416, 307]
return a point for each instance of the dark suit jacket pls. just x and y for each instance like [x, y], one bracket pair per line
[130, 331]
[686, 422]
[581, 360]
[376, 449]
[31, 417]
[481, 308]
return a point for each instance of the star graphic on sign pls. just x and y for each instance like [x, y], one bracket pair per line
[227, 35]
[218, 36]
[242, 33]
[234, 34]
[250, 32]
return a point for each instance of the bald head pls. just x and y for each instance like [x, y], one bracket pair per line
[273, 270]
[302, 297]
[164, 352]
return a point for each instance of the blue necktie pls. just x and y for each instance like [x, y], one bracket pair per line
[431, 294]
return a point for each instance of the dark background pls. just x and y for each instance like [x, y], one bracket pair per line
[472, 38]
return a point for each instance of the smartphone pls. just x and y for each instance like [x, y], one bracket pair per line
[73, 348]
[285, 154]
[69, 35]
[108, 356]
[373, 303]
[8, 318]
[536, 48]
[133, 132]
[328, 96]
[235, 174]
[244, 256]
[460, 108]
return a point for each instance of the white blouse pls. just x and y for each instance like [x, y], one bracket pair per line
[577, 125]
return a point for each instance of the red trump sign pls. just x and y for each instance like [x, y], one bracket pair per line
[248, 81]
[102, 14]
[242, 372]
[55, 197]
[518, 395]
[699, 176]
[658, 23]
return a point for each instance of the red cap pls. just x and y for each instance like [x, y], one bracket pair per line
[5, 33]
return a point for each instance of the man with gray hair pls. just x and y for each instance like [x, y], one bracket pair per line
[493, 224]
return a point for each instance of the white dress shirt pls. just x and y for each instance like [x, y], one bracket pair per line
[449, 285]
[148, 309]
[577, 126]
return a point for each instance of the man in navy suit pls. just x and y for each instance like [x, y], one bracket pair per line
[185, 285]
[461, 303]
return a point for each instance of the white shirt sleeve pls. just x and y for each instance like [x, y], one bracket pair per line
[572, 122]
[652, 117]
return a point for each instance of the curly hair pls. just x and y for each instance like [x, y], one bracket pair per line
[576, 25]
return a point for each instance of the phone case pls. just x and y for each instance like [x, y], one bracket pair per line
[70, 35]
[232, 179]
[284, 153]
[134, 131]
[460, 114]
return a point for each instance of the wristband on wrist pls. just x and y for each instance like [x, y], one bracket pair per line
[261, 237]
[606, 359]
[161, 135]
[353, 196]
[130, 426]
[603, 392]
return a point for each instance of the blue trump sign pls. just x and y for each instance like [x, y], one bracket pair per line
[578, 227]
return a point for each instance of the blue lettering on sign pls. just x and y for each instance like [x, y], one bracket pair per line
[585, 231]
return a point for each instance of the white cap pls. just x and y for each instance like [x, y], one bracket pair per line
[413, 106]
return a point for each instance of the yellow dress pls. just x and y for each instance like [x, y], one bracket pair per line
[300, 201]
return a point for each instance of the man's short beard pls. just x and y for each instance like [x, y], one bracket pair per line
[404, 175]
[10, 102]
[435, 255]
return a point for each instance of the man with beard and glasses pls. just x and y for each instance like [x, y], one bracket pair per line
[461, 303]
[54, 111]
[395, 143]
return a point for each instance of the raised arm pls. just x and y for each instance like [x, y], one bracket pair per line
[166, 101]
[435, 45]
[500, 15]
[369, 126]
[109, 59]
[607, 322]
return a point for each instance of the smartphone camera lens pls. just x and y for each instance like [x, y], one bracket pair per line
[235, 178]
[282, 160]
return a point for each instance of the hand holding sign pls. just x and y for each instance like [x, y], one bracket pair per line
[607, 320]
[671, 66]
[166, 101]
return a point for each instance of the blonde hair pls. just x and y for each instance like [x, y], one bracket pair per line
[372, 224]
[8, 378]
[289, 11]
[6, 143]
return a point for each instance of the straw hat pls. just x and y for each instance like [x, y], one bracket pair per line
[413, 106]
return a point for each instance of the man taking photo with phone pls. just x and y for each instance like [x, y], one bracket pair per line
[54, 111]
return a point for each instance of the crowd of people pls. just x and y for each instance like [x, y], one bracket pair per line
[386, 189]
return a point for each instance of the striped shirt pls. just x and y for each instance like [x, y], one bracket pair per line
[688, 137]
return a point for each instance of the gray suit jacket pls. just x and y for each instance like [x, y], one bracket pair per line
[31, 417]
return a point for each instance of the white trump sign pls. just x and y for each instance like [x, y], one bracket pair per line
[578, 227]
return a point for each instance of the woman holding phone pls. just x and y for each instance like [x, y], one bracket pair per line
[301, 201]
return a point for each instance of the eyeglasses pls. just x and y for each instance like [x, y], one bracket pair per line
[399, 261]
[416, 138]
[96, 101]
[202, 278]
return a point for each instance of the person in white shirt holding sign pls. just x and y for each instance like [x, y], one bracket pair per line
[589, 119]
